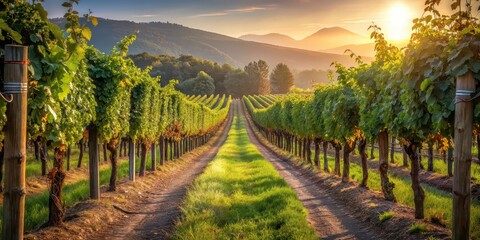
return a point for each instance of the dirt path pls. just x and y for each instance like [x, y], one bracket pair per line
[329, 219]
[155, 214]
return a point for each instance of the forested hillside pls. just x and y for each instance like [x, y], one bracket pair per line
[175, 40]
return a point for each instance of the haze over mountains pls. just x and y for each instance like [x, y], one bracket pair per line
[174, 39]
[326, 38]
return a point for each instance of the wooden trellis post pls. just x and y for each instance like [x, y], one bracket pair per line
[15, 90]
[131, 160]
[93, 160]
[462, 156]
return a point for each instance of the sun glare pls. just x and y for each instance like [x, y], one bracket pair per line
[399, 22]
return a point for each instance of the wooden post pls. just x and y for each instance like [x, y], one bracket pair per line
[93, 160]
[162, 151]
[15, 155]
[392, 150]
[154, 157]
[131, 161]
[387, 186]
[69, 153]
[462, 156]
[104, 145]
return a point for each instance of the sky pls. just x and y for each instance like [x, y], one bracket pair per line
[296, 18]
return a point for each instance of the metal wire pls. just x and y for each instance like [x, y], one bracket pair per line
[5, 99]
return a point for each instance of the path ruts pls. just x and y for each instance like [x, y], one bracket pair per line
[155, 217]
[328, 218]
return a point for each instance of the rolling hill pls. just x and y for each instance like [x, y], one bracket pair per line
[271, 38]
[326, 38]
[367, 49]
[175, 40]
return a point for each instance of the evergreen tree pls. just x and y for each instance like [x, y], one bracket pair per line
[281, 79]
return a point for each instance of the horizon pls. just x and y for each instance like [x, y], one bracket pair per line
[249, 17]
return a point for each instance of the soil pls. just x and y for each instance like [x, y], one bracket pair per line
[145, 209]
[339, 210]
[436, 180]
[149, 207]
[153, 216]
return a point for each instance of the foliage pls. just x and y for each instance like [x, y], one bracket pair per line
[310, 78]
[202, 84]
[236, 83]
[114, 78]
[258, 77]
[378, 87]
[331, 114]
[145, 108]
[184, 117]
[182, 68]
[281, 79]
[58, 86]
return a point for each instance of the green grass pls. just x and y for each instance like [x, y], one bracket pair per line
[439, 166]
[437, 205]
[34, 167]
[417, 228]
[241, 196]
[36, 207]
[386, 216]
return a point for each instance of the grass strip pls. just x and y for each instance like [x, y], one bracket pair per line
[241, 196]
[36, 207]
[438, 204]
[439, 166]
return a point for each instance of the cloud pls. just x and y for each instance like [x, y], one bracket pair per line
[146, 16]
[233, 10]
[215, 14]
[247, 9]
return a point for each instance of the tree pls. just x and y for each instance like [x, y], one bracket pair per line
[236, 83]
[281, 79]
[258, 77]
[309, 78]
[182, 68]
[202, 84]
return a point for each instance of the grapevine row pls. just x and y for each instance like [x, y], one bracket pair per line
[73, 87]
[408, 93]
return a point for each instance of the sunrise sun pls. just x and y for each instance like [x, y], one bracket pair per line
[399, 22]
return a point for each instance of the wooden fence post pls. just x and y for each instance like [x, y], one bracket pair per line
[15, 155]
[93, 161]
[131, 161]
[154, 156]
[462, 156]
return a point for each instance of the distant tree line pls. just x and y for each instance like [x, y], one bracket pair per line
[200, 77]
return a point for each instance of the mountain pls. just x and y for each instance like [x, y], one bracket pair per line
[272, 38]
[366, 50]
[175, 40]
[326, 38]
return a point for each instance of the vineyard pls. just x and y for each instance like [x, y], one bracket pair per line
[343, 161]
[77, 95]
